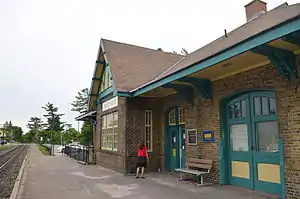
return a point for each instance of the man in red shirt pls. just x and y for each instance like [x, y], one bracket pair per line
[142, 160]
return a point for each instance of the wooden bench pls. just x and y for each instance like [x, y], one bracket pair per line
[197, 167]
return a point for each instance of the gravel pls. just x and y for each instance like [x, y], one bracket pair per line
[10, 172]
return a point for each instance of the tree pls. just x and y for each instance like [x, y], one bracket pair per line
[80, 104]
[53, 118]
[17, 133]
[87, 133]
[35, 124]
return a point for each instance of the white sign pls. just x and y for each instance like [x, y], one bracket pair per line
[109, 104]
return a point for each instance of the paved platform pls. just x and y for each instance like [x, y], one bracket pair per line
[59, 177]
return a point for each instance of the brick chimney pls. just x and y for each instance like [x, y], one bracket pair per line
[254, 9]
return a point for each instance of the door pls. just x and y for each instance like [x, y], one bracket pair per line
[175, 152]
[182, 146]
[253, 148]
[175, 149]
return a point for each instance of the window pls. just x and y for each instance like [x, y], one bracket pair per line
[148, 129]
[106, 80]
[267, 136]
[109, 134]
[239, 137]
[181, 115]
[172, 117]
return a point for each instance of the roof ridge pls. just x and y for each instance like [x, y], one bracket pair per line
[165, 74]
[274, 9]
[146, 48]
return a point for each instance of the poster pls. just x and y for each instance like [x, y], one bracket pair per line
[192, 136]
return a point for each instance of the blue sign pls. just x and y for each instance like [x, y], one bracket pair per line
[208, 136]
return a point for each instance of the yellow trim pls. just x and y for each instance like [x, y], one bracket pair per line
[297, 52]
[240, 169]
[269, 172]
[181, 110]
[243, 70]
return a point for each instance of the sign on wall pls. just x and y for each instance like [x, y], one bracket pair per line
[208, 136]
[109, 104]
[192, 136]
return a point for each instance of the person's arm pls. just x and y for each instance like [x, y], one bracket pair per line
[146, 151]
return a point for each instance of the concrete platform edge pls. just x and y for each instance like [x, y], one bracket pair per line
[15, 190]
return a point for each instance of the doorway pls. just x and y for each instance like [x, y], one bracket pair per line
[175, 139]
[252, 142]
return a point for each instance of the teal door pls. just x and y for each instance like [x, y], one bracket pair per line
[175, 143]
[175, 152]
[254, 158]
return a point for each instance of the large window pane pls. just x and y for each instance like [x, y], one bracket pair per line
[244, 108]
[109, 130]
[239, 137]
[272, 106]
[257, 106]
[267, 133]
[265, 106]
[237, 110]
[148, 129]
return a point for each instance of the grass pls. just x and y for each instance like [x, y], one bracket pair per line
[6, 147]
[43, 150]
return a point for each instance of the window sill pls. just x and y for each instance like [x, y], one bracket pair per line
[111, 152]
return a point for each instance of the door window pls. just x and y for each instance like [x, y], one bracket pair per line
[239, 137]
[267, 133]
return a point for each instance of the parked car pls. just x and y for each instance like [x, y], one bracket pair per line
[2, 142]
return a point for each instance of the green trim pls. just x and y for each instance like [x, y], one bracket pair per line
[255, 155]
[100, 62]
[204, 86]
[185, 91]
[271, 34]
[123, 94]
[105, 93]
[283, 60]
[96, 78]
[282, 180]
[93, 95]
[94, 73]
[293, 38]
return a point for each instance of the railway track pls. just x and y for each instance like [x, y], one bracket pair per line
[10, 164]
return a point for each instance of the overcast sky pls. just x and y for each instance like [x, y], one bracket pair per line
[48, 47]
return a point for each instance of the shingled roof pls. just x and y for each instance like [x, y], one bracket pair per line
[132, 66]
[266, 21]
[135, 67]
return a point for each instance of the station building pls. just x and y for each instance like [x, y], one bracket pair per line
[235, 101]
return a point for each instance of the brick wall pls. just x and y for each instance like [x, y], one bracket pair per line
[112, 159]
[206, 116]
[135, 131]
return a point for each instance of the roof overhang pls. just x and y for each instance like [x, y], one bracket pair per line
[89, 116]
[265, 37]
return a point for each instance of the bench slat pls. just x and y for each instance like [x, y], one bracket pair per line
[195, 172]
[201, 161]
[200, 166]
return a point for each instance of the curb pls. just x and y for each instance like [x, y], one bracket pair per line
[15, 190]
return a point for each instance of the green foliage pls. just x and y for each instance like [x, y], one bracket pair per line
[87, 133]
[43, 150]
[53, 118]
[71, 135]
[80, 104]
[17, 133]
[35, 124]
[12, 132]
